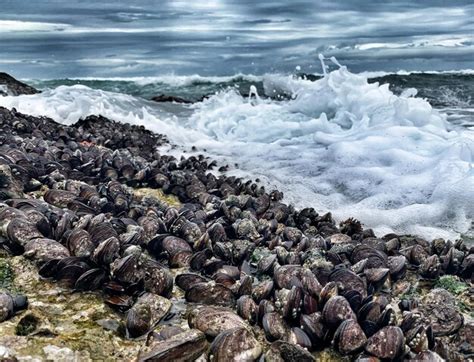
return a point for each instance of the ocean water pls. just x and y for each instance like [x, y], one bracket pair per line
[395, 150]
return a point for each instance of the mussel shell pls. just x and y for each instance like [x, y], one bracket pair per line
[349, 337]
[397, 266]
[224, 279]
[235, 345]
[6, 306]
[348, 280]
[292, 309]
[59, 198]
[417, 255]
[375, 258]
[430, 268]
[211, 294]
[127, 270]
[102, 232]
[185, 346]
[79, 243]
[169, 244]
[299, 337]
[213, 320]
[247, 309]
[310, 283]
[91, 279]
[274, 326]
[388, 343]
[69, 274]
[283, 275]
[106, 252]
[199, 259]
[145, 314]
[265, 264]
[376, 277]
[314, 327]
[330, 290]
[445, 319]
[310, 304]
[63, 226]
[336, 310]
[187, 280]
[263, 290]
[158, 280]
[217, 233]
[42, 250]
[246, 285]
[20, 231]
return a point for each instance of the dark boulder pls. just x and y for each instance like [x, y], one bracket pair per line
[162, 98]
[11, 86]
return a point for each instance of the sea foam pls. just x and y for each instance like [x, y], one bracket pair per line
[339, 144]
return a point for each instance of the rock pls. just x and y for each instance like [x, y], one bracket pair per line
[163, 98]
[6, 353]
[54, 353]
[13, 87]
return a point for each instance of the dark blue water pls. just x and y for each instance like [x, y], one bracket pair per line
[56, 38]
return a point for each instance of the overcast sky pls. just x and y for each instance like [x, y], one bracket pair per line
[60, 38]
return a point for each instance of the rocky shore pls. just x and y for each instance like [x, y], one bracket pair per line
[111, 249]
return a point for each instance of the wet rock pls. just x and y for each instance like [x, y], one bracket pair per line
[13, 87]
[169, 98]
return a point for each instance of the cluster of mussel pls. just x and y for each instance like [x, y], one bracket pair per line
[253, 270]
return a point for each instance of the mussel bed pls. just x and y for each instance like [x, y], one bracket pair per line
[201, 265]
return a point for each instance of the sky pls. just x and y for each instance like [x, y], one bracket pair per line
[89, 38]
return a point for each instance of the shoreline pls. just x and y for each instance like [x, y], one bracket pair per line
[392, 186]
[225, 243]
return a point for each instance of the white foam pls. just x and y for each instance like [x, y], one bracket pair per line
[354, 148]
[68, 104]
[341, 144]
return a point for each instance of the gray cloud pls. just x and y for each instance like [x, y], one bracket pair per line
[226, 36]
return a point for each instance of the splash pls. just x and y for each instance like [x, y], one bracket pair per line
[355, 148]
